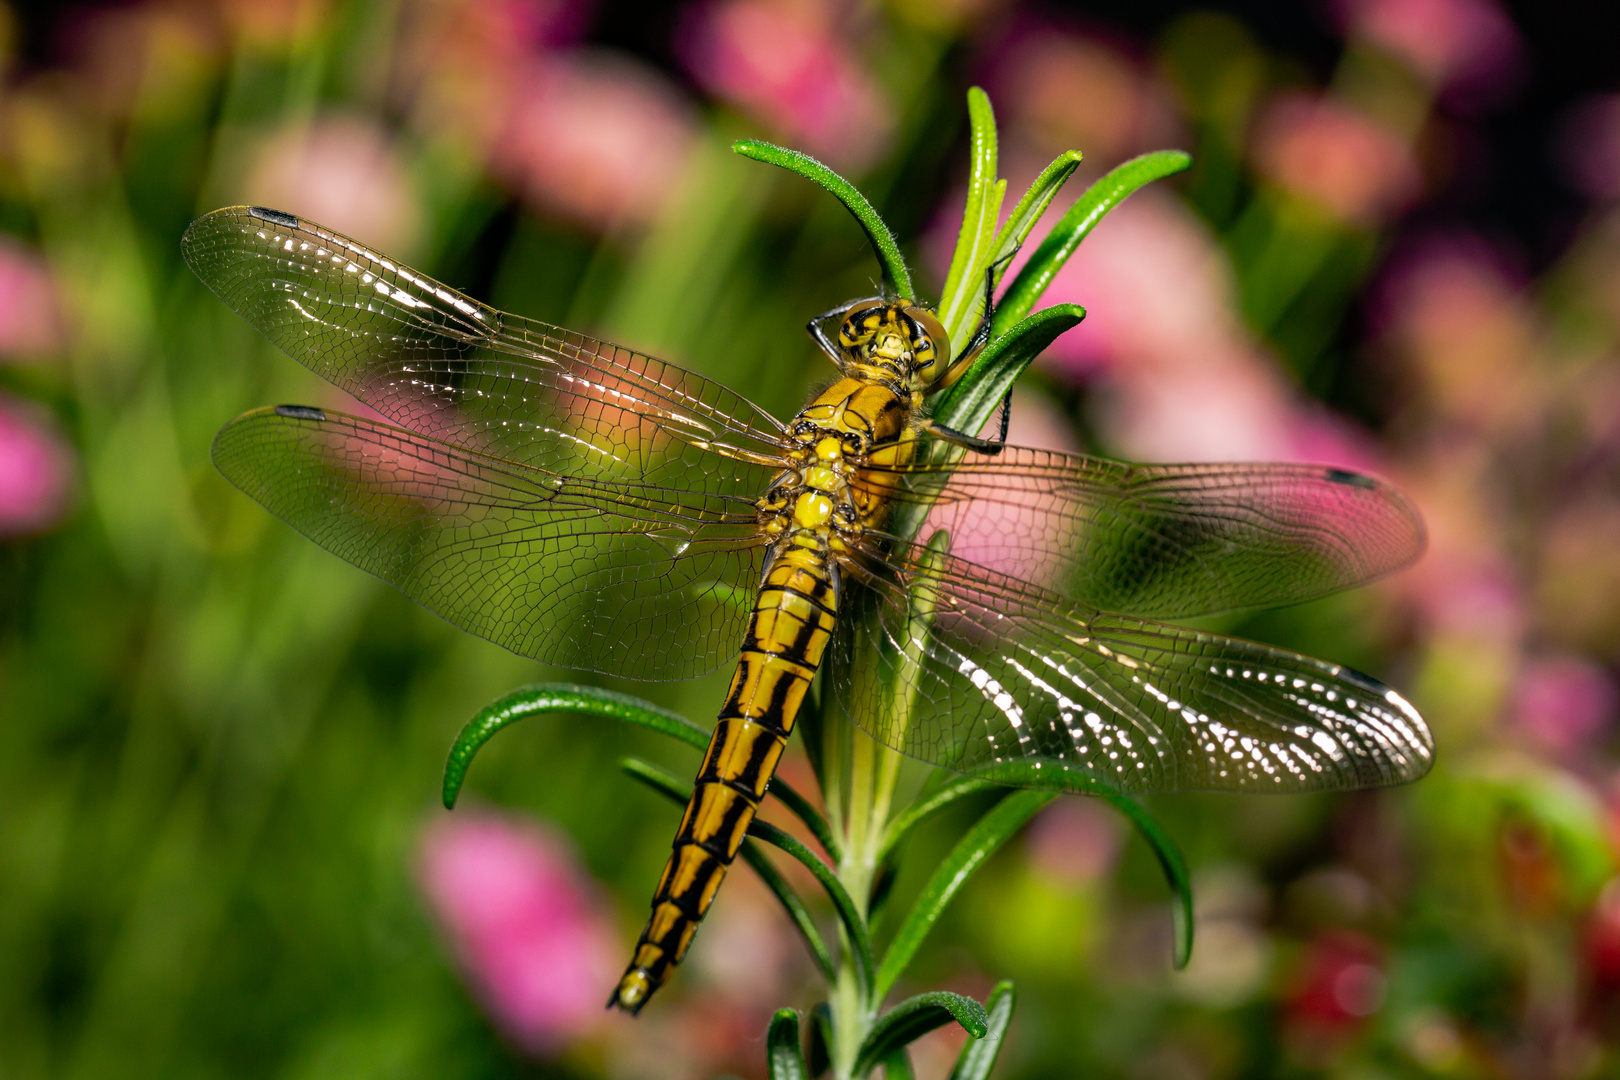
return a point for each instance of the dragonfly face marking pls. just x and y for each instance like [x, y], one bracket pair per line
[597, 508]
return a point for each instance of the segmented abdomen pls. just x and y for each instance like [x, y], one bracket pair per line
[787, 633]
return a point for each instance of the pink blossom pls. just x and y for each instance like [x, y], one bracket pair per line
[1470, 45]
[788, 64]
[1564, 702]
[36, 469]
[343, 172]
[1061, 91]
[525, 923]
[30, 321]
[1589, 146]
[1075, 841]
[1155, 286]
[1349, 164]
[595, 137]
[1460, 318]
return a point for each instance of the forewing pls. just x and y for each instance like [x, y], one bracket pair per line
[1160, 541]
[443, 365]
[983, 673]
[625, 579]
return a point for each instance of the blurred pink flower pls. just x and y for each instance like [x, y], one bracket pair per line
[525, 922]
[1457, 315]
[1075, 841]
[36, 469]
[595, 137]
[1352, 166]
[1155, 286]
[787, 63]
[1470, 45]
[341, 171]
[1589, 146]
[1564, 702]
[1062, 91]
[30, 320]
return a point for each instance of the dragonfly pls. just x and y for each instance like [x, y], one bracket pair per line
[591, 506]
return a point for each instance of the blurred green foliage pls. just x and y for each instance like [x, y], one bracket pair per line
[219, 745]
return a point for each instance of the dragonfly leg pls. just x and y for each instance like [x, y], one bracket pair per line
[818, 332]
[973, 442]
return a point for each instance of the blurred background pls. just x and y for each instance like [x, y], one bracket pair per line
[221, 851]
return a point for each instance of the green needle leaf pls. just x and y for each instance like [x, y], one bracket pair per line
[931, 803]
[972, 399]
[1034, 203]
[544, 698]
[1171, 860]
[860, 937]
[1081, 218]
[819, 1036]
[665, 784]
[969, 854]
[805, 812]
[979, 1056]
[782, 1046]
[916, 1017]
[895, 274]
[964, 283]
[897, 1065]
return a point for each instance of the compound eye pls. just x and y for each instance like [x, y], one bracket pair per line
[932, 351]
[860, 324]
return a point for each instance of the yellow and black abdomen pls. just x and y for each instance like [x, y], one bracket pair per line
[787, 634]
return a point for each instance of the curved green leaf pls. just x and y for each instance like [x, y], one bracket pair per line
[969, 854]
[818, 1034]
[1174, 864]
[979, 1056]
[895, 274]
[859, 936]
[1034, 203]
[807, 813]
[970, 401]
[964, 282]
[782, 1046]
[1101, 197]
[665, 784]
[541, 698]
[930, 803]
[916, 1017]
[897, 1065]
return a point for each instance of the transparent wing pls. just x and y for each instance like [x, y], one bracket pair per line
[635, 580]
[443, 365]
[980, 672]
[1161, 541]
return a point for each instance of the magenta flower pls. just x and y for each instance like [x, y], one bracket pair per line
[1468, 45]
[787, 63]
[1564, 702]
[1326, 152]
[595, 137]
[36, 469]
[30, 320]
[525, 922]
[342, 171]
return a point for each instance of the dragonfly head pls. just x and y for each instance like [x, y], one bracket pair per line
[898, 339]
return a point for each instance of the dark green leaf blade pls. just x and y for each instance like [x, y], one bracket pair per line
[969, 854]
[782, 1046]
[915, 1017]
[860, 938]
[895, 274]
[979, 1056]
[1101, 197]
[544, 698]
[970, 401]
